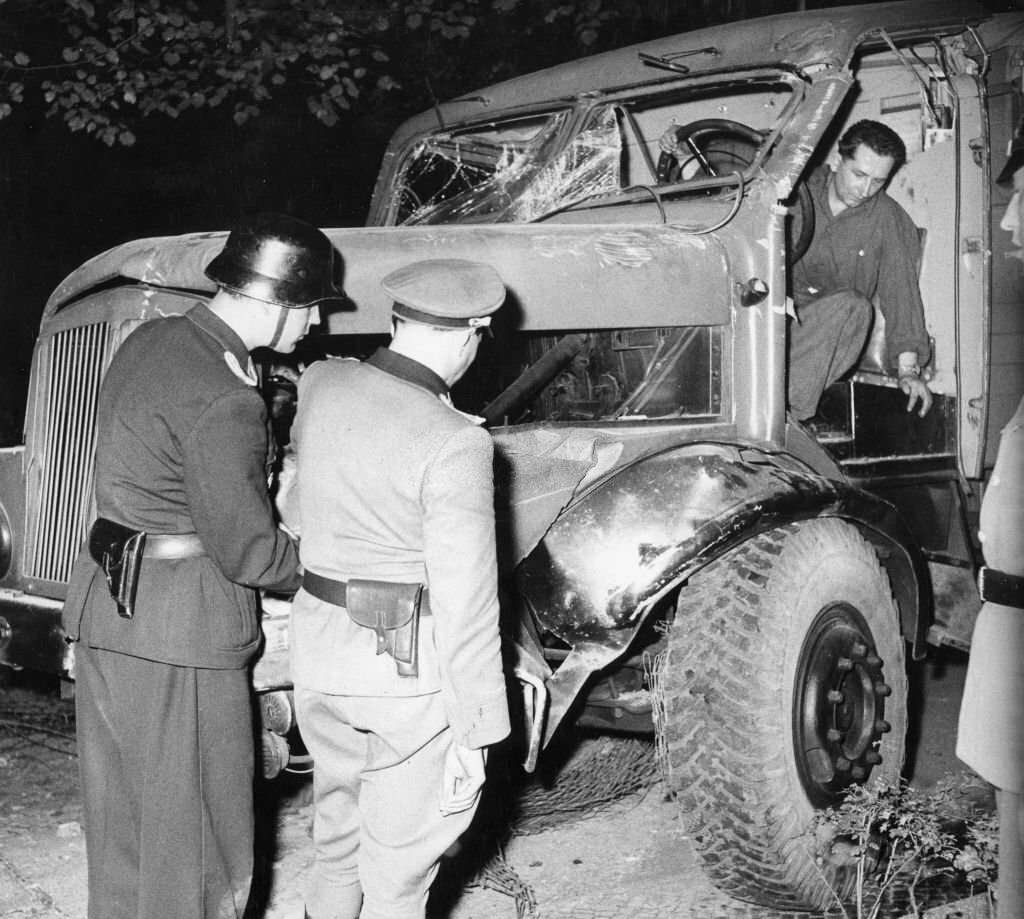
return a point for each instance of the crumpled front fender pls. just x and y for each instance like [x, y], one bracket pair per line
[642, 530]
[655, 521]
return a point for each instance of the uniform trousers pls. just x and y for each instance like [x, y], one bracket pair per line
[378, 833]
[166, 757]
[824, 342]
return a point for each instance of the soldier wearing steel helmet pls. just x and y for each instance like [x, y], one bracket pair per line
[162, 600]
[395, 650]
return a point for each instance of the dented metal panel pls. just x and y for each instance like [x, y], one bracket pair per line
[657, 520]
[641, 531]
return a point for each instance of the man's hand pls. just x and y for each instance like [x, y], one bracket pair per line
[918, 391]
[668, 142]
[463, 778]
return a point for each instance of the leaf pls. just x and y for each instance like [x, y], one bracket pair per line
[21, 59]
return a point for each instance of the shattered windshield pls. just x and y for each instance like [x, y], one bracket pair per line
[504, 172]
[691, 139]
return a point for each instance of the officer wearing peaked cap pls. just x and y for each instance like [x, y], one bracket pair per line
[162, 696]
[395, 651]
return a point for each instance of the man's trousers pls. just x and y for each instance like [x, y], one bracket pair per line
[824, 342]
[166, 756]
[378, 832]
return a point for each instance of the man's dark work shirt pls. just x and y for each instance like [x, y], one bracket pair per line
[869, 249]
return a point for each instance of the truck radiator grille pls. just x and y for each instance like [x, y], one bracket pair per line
[77, 361]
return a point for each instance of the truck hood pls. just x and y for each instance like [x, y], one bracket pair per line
[554, 274]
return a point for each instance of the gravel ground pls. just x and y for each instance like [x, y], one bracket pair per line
[625, 857]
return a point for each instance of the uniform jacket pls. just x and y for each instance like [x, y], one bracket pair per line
[872, 248]
[182, 447]
[991, 734]
[393, 484]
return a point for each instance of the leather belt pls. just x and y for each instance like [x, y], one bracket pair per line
[326, 589]
[172, 545]
[999, 587]
[336, 592]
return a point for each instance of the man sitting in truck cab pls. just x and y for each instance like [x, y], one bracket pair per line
[864, 243]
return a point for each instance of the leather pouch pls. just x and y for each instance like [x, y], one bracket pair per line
[393, 612]
[118, 549]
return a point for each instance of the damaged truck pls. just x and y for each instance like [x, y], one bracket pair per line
[678, 555]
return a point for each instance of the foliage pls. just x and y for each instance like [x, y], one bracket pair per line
[124, 57]
[100, 65]
[898, 836]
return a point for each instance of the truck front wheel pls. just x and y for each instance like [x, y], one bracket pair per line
[784, 683]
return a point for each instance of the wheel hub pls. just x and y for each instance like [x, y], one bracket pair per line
[840, 706]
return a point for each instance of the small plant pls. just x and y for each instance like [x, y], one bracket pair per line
[897, 836]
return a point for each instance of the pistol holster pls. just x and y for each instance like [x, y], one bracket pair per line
[393, 612]
[118, 549]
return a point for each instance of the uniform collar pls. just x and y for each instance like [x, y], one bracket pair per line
[405, 368]
[216, 327]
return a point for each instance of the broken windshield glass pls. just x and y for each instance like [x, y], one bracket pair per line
[504, 172]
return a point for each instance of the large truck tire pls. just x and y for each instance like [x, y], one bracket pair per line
[784, 683]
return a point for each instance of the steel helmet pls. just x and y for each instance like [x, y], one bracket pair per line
[277, 259]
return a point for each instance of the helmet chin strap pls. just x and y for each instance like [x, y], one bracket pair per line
[282, 318]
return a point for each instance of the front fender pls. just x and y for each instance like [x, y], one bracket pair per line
[641, 531]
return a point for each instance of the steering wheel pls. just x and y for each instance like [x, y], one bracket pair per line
[714, 147]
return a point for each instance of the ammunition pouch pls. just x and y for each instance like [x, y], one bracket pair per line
[391, 610]
[118, 551]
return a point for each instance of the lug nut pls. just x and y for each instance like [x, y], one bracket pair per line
[872, 757]
[859, 773]
[844, 664]
[834, 736]
[843, 764]
[834, 696]
[872, 660]
[882, 727]
[859, 649]
[881, 689]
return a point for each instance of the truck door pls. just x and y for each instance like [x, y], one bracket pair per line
[972, 275]
[1006, 322]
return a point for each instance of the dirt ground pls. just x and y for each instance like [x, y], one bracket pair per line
[548, 850]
